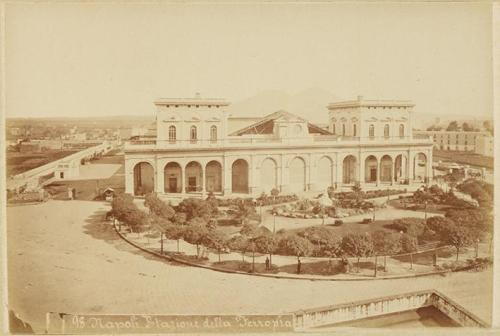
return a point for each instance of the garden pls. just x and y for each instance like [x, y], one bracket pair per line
[195, 231]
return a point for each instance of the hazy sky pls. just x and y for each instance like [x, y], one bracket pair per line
[112, 59]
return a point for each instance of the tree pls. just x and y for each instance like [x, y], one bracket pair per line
[357, 245]
[488, 126]
[358, 193]
[216, 240]
[195, 233]
[212, 203]
[385, 243]
[244, 211]
[158, 207]
[459, 237]
[320, 237]
[239, 243]
[467, 128]
[268, 244]
[409, 245]
[194, 207]
[452, 126]
[274, 192]
[160, 225]
[174, 232]
[439, 226]
[424, 196]
[295, 245]
[478, 221]
[413, 226]
[179, 218]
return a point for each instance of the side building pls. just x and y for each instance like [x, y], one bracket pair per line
[367, 142]
[455, 140]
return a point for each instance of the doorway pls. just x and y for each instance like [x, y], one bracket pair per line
[172, 184]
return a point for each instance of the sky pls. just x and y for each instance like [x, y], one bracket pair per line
[100, 59]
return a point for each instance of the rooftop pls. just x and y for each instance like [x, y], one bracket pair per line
[361, 102]
[197, 101]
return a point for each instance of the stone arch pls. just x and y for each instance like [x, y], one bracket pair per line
[172, 177]
[371, 169]
[420, 167]
[268, 174]
[239, 176]
[144, 179]
[213, 179]
[386, 168]
[194, 176]
[399, 167]
[349, 169]
[297, 174]
[325, 171]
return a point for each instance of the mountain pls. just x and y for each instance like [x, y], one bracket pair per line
[309, 104]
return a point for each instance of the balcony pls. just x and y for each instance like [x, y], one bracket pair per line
[266, 141]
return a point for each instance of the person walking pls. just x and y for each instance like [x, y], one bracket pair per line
[298, 266]
[267, 263]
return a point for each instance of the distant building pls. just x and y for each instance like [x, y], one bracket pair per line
[454, 141]
[30, 147]
[484, 145]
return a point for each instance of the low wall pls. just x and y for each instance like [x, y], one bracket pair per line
[456, 312]
[351, 311]
[361, 309]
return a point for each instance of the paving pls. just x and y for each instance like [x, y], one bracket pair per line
[63, 258]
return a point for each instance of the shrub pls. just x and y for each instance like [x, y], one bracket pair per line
[414, 227]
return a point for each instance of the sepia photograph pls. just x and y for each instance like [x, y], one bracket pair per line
[248, 167]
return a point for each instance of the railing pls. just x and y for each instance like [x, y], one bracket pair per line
[271, 140]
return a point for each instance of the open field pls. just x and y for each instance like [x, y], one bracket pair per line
[63, 258]
[469, 158]
[18, 163]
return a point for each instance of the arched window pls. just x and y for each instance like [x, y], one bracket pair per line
[172, 134]
[193, 134]
[354, 130]
[343, 129]
[333, 128]
[386, 130]
[213, 133]
[371, 131]
[402, 130]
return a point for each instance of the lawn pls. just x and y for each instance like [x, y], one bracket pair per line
[353, 227]
[464, 158]
[18, 163]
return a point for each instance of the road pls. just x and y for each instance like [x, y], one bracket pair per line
[63, 258]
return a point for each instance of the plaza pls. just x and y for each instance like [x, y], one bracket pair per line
[84, 267]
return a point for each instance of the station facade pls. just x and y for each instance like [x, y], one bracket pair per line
[192, 153]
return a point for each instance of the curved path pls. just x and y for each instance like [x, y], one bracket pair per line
[62, 258]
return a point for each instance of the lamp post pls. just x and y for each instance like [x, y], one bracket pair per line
[477, 247]
[274, 223]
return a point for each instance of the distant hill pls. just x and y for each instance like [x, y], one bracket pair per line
[309, 104]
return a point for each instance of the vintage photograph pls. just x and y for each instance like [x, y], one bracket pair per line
[186, 167]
